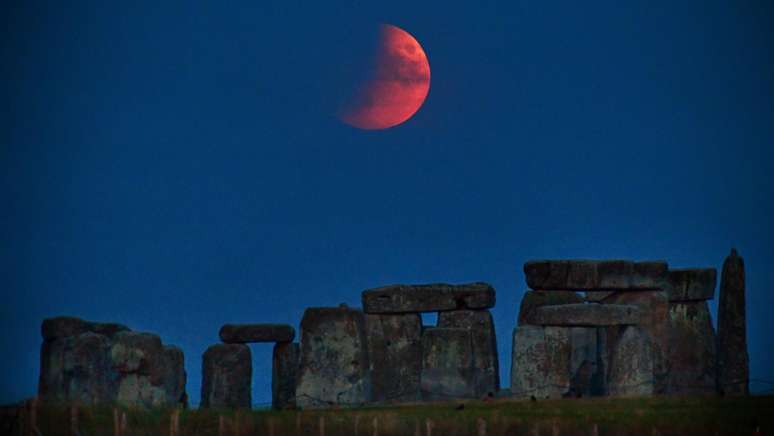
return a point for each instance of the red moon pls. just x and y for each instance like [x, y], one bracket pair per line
[399, 85]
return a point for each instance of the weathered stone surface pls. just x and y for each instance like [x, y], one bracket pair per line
[428, 298]
[585, 315]
[447, 364]
[654, 310]
[594, 275]
[395, 356]
[690, 354]
[174, 375]
[66, 326]
[334, 369]
[586, 372]
[486, 368]
[534, 299]
[540, 362]
[733, 360]
[597, 296]
[284, 371]
[691, 284]
[105, 363]
[77, 368]
[247, 333]
[631, 364]
[227, 371]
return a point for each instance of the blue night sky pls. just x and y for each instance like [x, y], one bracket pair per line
[176, 166]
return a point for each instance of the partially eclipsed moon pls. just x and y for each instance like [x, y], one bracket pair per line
[399, 85]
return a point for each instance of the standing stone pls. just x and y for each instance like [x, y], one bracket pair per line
[631, 364]
[447, 364]
[733, 360]
[585, 376]
[284, 371]
[334, 368]
[433, 297]
[654, 312]
[174, 375]
[395, 356]
[485, 362]
[540, 362]
[94, 363]
[534, 299]
[227, 371]
[690, 355]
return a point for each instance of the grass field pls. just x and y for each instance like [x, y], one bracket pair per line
[630, 417]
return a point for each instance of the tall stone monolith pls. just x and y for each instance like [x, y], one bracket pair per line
[733, 361]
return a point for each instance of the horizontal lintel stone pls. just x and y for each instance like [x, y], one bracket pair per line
[691, 284]
[247, 333]
[428, 298]
[584, 315]
[595, 275]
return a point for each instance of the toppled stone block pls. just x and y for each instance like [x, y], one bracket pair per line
[690, 354]
[227, 371]
[284, 371]
[486, 368]
[428, 298]
[733, 360]
[248, 333]
[691, 284]
[395, 356]
[594, 275]
[334, 369]
[534, 299]
[107, 363]
[447, 364]
[540, 362]
[631, 364]
[584, 315]
[654, 310]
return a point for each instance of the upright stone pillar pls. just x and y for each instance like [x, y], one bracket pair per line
[631, 363]
[733, 361]
[284, 371]
[395, 356]
[227, 371]
[334, 369]
[541, 362]
[447, 364]
[486, 369]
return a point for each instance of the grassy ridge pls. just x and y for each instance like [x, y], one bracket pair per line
[602, 416]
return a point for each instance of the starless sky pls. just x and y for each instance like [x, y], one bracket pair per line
[175, 166]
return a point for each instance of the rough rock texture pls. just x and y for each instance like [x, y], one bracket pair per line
[335, 368]
[690, 355]
[534, 299]
[691, 284]
[247, 333]
[594, 275]
[486, 367]
[227, 371]
[540, 362]
[586, 376]
[447, 364]
[284, 371]
[597, 296]
[631, 363]
[428, 298]
[584, 315]
[733, 360]
[395, 356]
[654, 310]
[104, 363]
